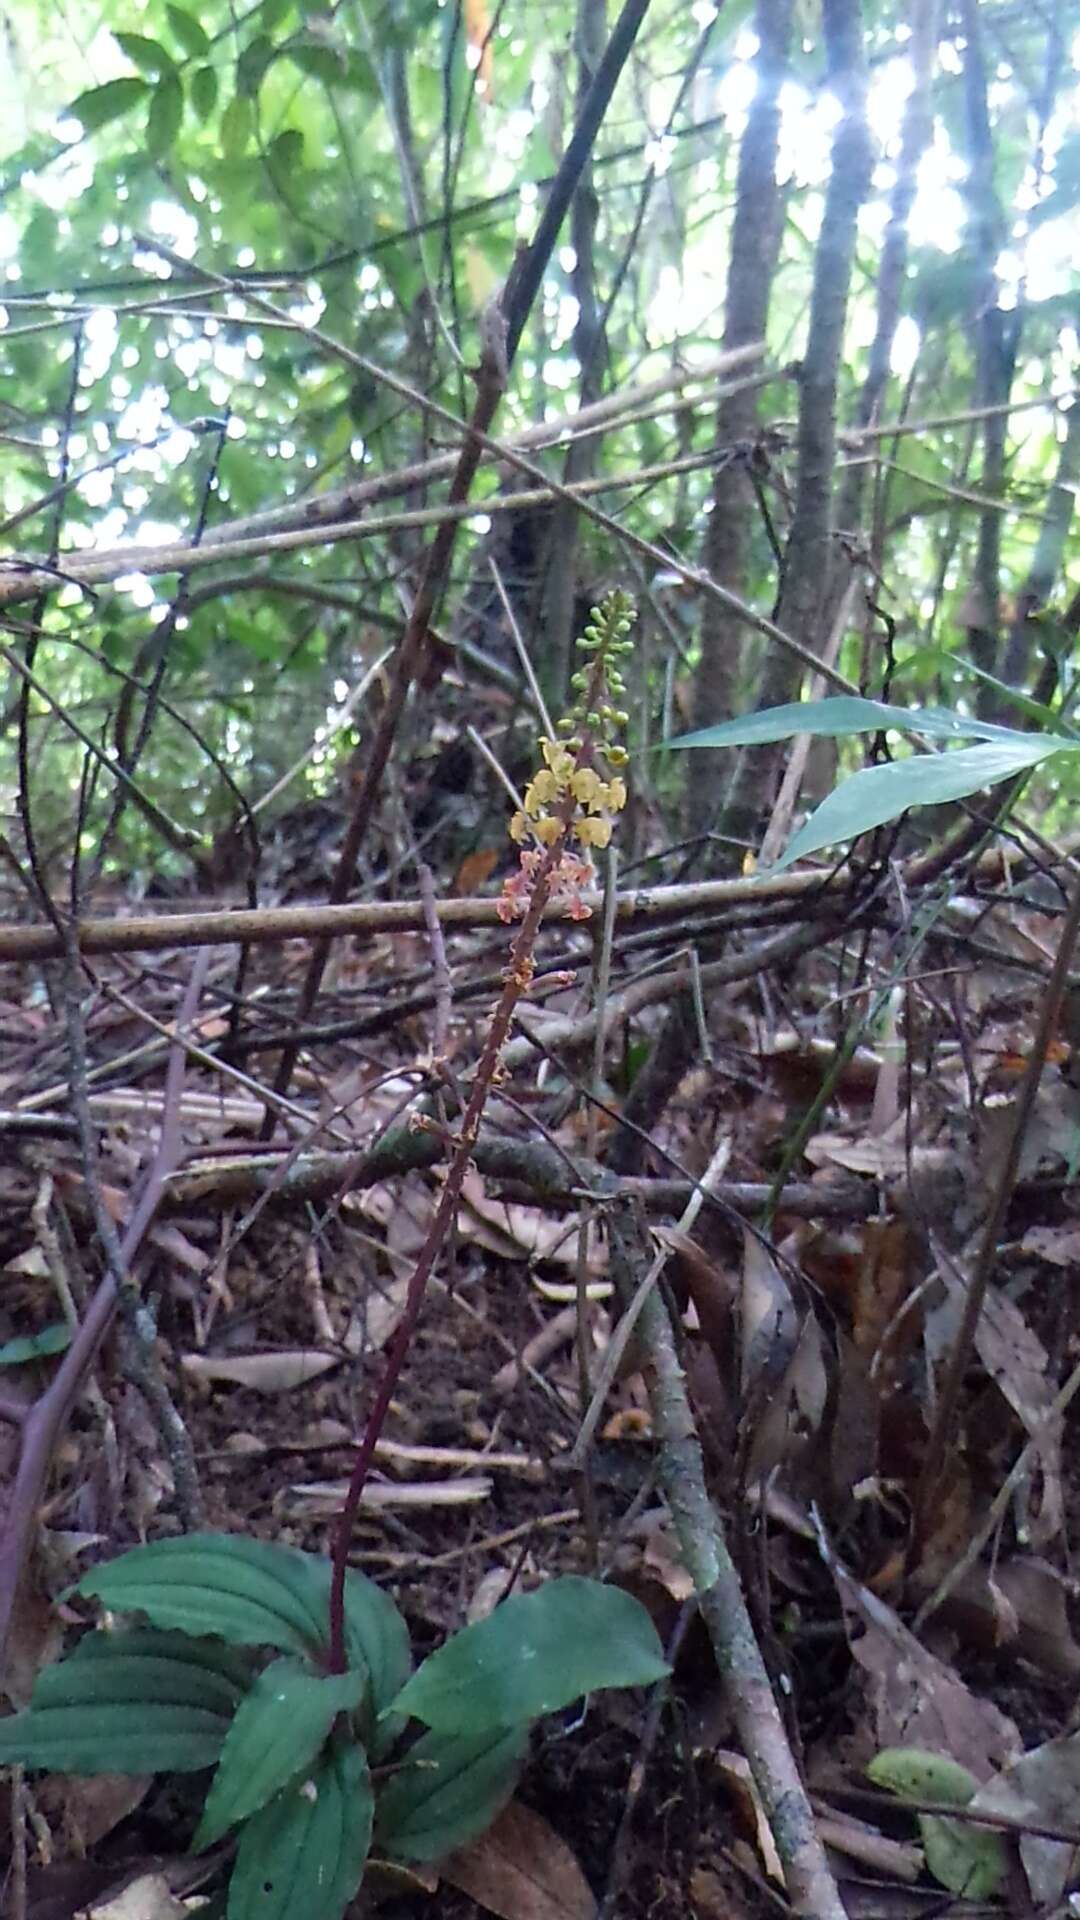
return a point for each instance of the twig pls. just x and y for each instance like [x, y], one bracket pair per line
[440, 969]
[810, 1885]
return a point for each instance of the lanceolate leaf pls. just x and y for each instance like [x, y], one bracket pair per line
[304, 1854]
[449, 1789]
[277, 1733]
[246, 1591]
[534, 1654]
[846, 715]
[130, 1702]
[883, 793]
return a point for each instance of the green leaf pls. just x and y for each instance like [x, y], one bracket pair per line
[273, 12]
[130, 1702]
[305, 1852]
[449, 1789]
[277, 1733]
[149, 56]
[165, 115]
[189, 31]
[36, 1346]
[101, 104]
[251, 64]
[246, 1591]
[204, 91]
[534, 1654]
[285, 155]
[842, 715]
[883, 793]
[317, 60]
[377, 1639]
[237, 127]
[967, 1859]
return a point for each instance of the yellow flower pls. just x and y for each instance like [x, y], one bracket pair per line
[519, 826]
[559, 759]
[593, 832]
[586, 785]
[616, 795]
[547, 829]
[541, 790]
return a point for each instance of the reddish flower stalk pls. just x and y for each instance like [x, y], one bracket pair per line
[555, 871]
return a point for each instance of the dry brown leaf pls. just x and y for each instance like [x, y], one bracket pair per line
[914, 1698]
[83, 1809]
[277, 1372]
[734, 1771]
[521, 1870]
[375, 1316]
[1016, 1361]
[768, 1320]
[1043, 1786]
[1022, 1605]
[793, 1409]
[518, 1232]
[476, 867]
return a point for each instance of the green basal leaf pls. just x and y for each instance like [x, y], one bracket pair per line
[534, 1654]
[137, 1701]
[277, 1733]
[248, 1592]
[304, 1854]
[165, 116]
[449, 1789]
[843, 715]
[36, 1346]
[377, 1639]
[189, 31]
[877, 794]
[969, 1860]
[99, 105]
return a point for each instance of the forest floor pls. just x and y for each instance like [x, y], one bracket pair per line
[814, 1351]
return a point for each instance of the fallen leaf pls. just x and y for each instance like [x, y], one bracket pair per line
[1042, 1786]
[915, 1699]
[477, 866]
[734, 1771]
[277, 1372]
[147, 1898]
[521, 1870]
[518, 1232]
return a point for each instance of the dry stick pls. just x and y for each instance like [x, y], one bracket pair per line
[153, 933]
[810, 1885]
[44, 1421]
[945, 1411]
